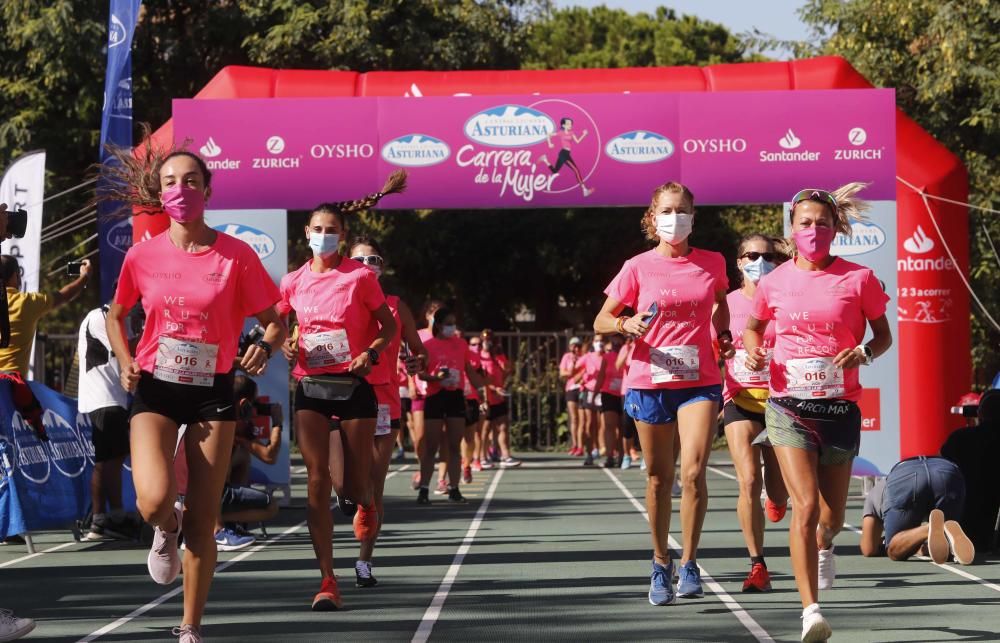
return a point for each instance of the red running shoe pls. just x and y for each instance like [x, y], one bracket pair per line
[366, 523]
[774, 512]
[758, 580]
[328, 598]
[467, 475]
[415, 481]
[477, 465]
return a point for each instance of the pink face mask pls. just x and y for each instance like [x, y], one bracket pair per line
[182, 203]
[814, 243]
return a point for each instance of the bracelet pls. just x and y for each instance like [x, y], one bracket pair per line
[620, 324]
[265, 346]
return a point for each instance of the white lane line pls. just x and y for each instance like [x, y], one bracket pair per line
[755, 629]
[38, 553]
[111, 627]
[434, 610]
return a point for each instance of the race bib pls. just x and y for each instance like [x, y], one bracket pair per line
[326, 349]
[616, 385]
[184, 361]
[814, 377]
[451, 380]
[383, 423]
[674, 364]
[746, 377]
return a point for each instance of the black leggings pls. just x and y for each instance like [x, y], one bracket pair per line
[565, 159]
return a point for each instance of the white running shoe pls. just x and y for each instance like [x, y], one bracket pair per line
[12, 627]
[164, 561]
[827, 569]
[814, 626]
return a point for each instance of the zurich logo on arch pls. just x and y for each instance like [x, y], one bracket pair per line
[261, 242]
[509, 126]
[415, 150]
[639, 146]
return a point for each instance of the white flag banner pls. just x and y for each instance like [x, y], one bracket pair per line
[23, 188]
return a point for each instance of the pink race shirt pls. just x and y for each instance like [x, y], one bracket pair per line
[419, 385]
[470, 392]
[335, 314]
[738, 376]
[613, 376]
[382, 373]
[494, 365]
[195, 303]
[817, 314]
[451, 353]
[592, 363]
[568, 363]
[677, 350]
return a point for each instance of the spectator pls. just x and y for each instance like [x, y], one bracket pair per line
[916, 507]
[976, 451]
[26, 308]
[104, 400]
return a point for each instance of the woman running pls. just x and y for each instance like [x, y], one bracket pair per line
[497, 369]
[674, 385]
[820, 306]
[366, 250]
[593, 366]
[447, 367]
[610, 387]
[744, 397]
[197, 286]
[472, 443]
[566, 141]
[420, 392]
[345, 326]
[569, 371]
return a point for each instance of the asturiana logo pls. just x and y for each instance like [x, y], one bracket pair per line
[117, 34]
[639, 146]
[865, 237]
[415, 150]
[509, 126]
[919, 243]
[120, 236]
[261, 242]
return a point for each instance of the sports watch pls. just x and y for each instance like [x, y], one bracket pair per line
[866, 350]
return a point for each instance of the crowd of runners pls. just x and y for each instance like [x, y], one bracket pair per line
[648, 393]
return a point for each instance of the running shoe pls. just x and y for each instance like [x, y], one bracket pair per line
[588, 461]
[689, 585]
[609, 462]
[228, 540]
[423, 497]
[347, 507]
[477, 466]
[814, 627]
[510, 462]
[442, 487]
[626, 462]
[104, 529]
[400, 454]
[328, 598]
[363, 573]
[677, 491]
[962, 549]
[595, 454]
[495, 456]
[827, 568]
[187, 634]
[163, 562]
[467, 474]
[454, 495]
[572, 451]
[937, 542]
[366, 523]
[758, 580]
[12, 627]
[774, 511]
[642, 464]
[486, 464]
[415, 481]
[661, 588]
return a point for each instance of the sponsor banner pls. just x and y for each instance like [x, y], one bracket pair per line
[873, 244]
[543, 151]
[115, 237]
[924, 268]
[265, 231]
[43, 484]
[23, 188]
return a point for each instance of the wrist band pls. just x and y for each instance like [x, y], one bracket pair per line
[620, 324]
[725, 335]
[265, 346]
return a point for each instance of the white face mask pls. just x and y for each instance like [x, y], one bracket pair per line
[598, 347]
[323, 245]
[674, 228]
[448, 331]
[754, 270]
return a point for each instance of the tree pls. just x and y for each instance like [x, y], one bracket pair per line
[943, 58]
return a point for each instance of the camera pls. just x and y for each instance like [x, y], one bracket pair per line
[17, 223]
[246, 341]
[73, 268]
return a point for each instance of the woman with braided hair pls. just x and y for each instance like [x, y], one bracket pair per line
[344, 327]
[196, 285]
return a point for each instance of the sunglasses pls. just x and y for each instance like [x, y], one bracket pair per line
[371, 260]
[811, 194]
[754, 256]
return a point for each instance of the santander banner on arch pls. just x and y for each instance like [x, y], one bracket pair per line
[574, 150]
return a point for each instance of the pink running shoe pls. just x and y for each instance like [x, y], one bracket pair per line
[164, 562]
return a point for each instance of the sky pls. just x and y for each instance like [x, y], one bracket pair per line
[776, 17]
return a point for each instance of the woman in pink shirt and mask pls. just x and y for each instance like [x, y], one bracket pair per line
[820, 306]
[674, 385]
[345, 326]
[197, 286]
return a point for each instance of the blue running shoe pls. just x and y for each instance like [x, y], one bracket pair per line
[689, 585]
[661, 587]
[228, 540]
